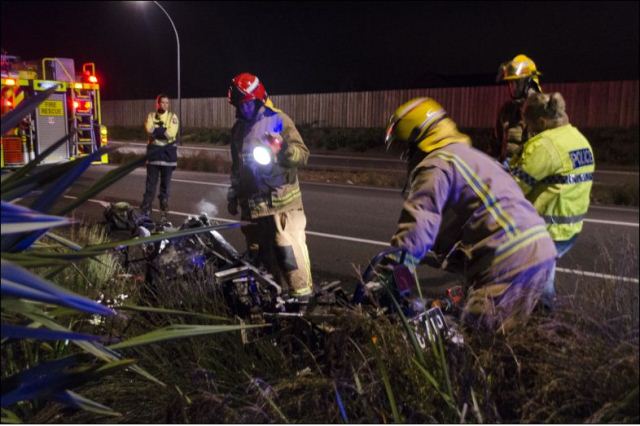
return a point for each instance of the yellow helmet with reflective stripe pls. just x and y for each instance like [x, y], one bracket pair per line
[422, 123]
[521, 66]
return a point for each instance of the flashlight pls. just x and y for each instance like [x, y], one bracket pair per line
[262, 155]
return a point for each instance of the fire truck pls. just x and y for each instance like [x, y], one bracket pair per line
[72, 110]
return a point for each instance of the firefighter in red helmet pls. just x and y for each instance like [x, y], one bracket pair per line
[266, 151]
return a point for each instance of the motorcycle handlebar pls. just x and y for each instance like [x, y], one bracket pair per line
[375, 261]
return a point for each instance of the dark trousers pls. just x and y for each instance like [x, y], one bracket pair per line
[153, 172]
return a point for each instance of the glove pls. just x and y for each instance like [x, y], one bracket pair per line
[159, 133]
[275, 142]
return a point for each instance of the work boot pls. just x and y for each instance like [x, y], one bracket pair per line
[304, 298]
[303, 302]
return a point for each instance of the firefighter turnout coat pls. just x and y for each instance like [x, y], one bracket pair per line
[509, 131]
[466, 210]
[263, 190]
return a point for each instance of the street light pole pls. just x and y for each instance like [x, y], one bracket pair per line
[178, 48]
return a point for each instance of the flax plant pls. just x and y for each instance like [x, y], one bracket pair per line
[44, 355]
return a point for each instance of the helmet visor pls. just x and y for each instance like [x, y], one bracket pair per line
[390, 136]
[502, 71]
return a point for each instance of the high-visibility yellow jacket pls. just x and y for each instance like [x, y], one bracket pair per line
[163, 156]
[555, 171]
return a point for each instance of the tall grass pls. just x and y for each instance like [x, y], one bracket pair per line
[40, 318]
[577, 365]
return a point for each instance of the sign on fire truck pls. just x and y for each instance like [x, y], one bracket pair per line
[73, 109]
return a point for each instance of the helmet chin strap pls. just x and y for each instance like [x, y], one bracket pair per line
[408, 153]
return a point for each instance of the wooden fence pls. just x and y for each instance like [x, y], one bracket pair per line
[591, 104]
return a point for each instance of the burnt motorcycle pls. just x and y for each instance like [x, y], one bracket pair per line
[386, 287]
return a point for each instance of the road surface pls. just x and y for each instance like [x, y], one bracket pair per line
[347, 225]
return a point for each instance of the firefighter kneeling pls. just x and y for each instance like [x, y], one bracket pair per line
[465, 210]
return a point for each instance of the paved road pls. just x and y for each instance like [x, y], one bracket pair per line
[347, 225]
[358, 162]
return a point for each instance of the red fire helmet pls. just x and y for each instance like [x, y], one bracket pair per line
[246, 87]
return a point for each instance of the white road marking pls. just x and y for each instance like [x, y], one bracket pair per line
[386, 244]
[341, 237]
[199, 182]
[612, 222]
[597, 275]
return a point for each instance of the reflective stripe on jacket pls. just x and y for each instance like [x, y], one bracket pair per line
[555, 172]
[264, 190]
[168, 156]
[472, 217]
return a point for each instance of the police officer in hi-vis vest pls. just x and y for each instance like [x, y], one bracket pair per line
[555, 169]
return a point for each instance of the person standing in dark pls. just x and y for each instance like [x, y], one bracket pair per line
[266, 152]
[522, 77]
[162, 128]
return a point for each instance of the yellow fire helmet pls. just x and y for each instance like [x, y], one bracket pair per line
[422, 123]
[521, 66]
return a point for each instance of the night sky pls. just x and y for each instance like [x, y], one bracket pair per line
[324, 46]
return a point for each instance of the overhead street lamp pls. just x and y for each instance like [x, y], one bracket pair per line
[178, 50]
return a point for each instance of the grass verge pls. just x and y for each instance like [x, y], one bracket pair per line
[578, 365]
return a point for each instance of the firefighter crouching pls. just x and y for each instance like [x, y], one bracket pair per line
[556, 169]
[266, 150]
[162, 128]
[471, 216]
